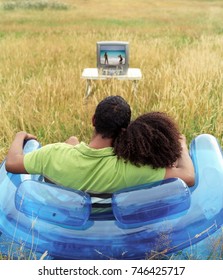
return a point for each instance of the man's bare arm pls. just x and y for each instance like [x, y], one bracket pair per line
[15, 157]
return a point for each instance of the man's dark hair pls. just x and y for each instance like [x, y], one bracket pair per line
[112, 115]
[152, 139]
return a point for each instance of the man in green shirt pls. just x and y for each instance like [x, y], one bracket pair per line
[85, 168]
[93, 168]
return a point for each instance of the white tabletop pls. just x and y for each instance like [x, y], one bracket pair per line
[93, 74]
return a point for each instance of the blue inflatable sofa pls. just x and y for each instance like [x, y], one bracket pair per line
[159, 220]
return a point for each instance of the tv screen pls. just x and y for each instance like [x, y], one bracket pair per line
[113, 57]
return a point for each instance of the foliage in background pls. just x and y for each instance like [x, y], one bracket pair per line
[33, 5]
[177, 44]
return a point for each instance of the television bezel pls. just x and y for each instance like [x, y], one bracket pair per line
[113, 69]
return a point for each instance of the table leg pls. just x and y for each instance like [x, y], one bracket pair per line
[135, 87]
[88, 88]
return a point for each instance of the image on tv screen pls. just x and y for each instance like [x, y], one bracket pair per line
[112, 55]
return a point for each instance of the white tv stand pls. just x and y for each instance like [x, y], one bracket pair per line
[89, 74]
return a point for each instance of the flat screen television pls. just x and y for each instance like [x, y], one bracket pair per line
[112, 57]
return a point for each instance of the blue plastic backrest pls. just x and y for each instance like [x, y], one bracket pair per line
[57, 205]
[151, 201]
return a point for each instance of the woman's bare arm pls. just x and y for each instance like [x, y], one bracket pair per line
[183, 168]
[73, 140]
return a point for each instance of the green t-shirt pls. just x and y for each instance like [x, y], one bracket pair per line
[83, 168]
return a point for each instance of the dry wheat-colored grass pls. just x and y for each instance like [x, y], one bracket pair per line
[177, 45]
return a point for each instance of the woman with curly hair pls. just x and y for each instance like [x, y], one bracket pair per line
[154, 139]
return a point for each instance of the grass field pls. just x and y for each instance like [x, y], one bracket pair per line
[45, 45]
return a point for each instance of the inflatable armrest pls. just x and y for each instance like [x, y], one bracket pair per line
[206, 154]
[151, 201]
[58, 205]
[31, 145]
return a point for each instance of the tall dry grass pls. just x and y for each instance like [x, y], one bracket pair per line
[177, 44]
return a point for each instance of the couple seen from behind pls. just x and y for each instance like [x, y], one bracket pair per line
[122, 153]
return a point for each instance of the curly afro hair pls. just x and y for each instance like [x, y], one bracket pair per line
[152, 139]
